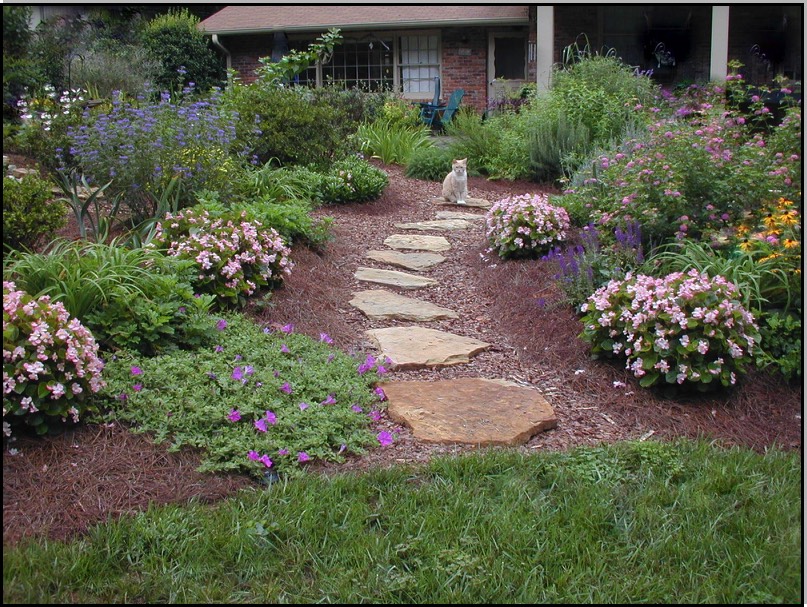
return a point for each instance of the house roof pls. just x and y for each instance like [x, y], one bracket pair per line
[245, 19]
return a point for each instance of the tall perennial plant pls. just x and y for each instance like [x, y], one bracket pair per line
[50, 361]
[234, 256]
[682, 329]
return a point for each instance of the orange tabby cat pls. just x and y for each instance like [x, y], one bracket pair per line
[455, 185]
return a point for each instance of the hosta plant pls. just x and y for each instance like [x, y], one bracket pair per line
[50, 362]
[235, 257]
[682, 329]
[525, 225]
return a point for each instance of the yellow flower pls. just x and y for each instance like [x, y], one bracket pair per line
[790, 243]
[745, 245]
[789, 218]
[769, 257]
[742, 230]
[769, 221]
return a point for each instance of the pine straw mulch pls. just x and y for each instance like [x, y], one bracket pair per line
[59, 486]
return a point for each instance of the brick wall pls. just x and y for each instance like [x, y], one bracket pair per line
[465, 65]
[245, 51]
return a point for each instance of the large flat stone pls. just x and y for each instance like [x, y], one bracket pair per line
[393, 278]
[417, 242]
[459, 215]
[417, 347]
[410, 261]
[479, 203]
[470, 410]
[382, 305]
[436, 225]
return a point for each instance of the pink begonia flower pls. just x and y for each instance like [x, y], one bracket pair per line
[302, 456]
[385, 438]
[137, 371]
[234, 415]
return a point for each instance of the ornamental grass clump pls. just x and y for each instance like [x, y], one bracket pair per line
[50, 362]
[683, 329]
[526, 225]
[235, 257]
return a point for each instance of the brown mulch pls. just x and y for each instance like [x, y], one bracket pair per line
[59, 486]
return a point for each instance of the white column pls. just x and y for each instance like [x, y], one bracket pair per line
[545, 43]
[718, 67]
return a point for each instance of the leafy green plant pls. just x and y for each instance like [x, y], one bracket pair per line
[390, 143]
[353, 180]
[50, 362]
[29, 212]
[781, 338]
[258, 401]
[524, 225]
[84, 201]
[273, 74]
[429, 164]
[682, 329]
[477, 140]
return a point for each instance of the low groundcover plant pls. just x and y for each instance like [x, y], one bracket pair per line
[680, 329]
[50, 361]
[525, 225]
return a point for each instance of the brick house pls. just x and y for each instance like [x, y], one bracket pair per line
[487, 50]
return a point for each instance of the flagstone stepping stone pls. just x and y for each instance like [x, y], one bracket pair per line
[479, 203]
[417, 242]
[469, 410]
[459, 215]
[410, 261]
[394, 278]
[436, 224]
[415, 347]
[382, 305]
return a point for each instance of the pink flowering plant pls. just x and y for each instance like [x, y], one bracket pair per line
[525, 225]
[50, 362]
[235, 256]
[684, 329]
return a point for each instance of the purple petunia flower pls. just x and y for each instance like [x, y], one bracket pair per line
[286, 387]
[284, 348]
[357, 409]
[266, 461]
[375, 415]
[249, 370]
[342, 447]
[260, 424]
[382, 396]
[302, 456]
[381, 370]
[254, 456]
[385, 438]
[137, 371]
[221, 324]
[271, 418]
[303, 406]
[238, 374]
[324, 337]
[234, 415]
[289, 328]
[282, 451]
[137, 387]
[218, 349]
[329, 401]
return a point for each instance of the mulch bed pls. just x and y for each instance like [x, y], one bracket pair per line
[59, 486]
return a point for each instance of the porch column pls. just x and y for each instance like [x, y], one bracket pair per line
[545, 45]
[718, 67]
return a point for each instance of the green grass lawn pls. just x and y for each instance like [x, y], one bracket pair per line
[633, 522]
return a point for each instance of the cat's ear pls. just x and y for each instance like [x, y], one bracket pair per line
[463, 160]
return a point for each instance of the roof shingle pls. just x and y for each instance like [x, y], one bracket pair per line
[244, 19]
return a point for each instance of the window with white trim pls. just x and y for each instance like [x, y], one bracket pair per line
[419, 63]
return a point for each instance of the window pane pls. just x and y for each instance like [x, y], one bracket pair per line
[509, 58]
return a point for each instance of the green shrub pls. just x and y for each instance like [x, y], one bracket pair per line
[125, 68]
[291, 218]
[183, 52]
[391, 143]
[398, 112]
[781, 343]
[552, 141]
[353, 180]
[257, 400]
[50, 362]
[291, 125]
[680, 330]
[429, 164]
[477, 140]
[29, 212]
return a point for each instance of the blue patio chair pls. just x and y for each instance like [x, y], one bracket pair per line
[427, 110]
[443, 115]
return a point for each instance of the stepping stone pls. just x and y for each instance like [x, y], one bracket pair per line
[417, 243]
[393, 278]
[383, 305]
[471, 410]
[410, 261]
[416, 347]
[479, 203]
[437, 224]
[459, 215]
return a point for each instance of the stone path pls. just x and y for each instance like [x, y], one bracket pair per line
[478, 411]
